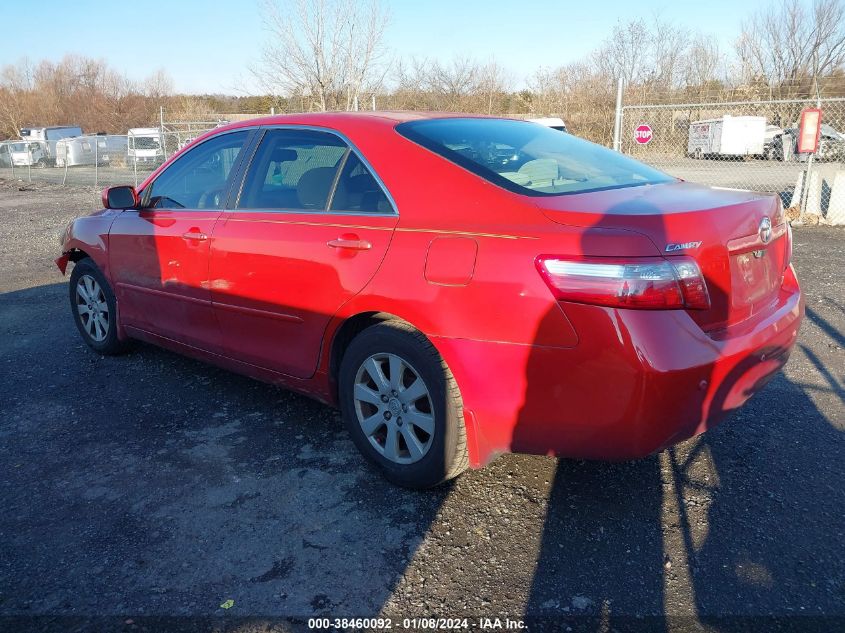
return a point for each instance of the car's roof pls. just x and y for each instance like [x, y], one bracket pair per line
[389, 118]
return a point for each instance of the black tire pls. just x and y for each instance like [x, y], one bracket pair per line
[446, 456]
[109, 344]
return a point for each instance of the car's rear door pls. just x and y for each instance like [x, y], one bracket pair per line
[158, 254]
[308, 230]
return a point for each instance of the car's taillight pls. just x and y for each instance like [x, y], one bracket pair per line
[642, 283]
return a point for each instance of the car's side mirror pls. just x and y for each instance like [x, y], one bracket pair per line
[121, 197]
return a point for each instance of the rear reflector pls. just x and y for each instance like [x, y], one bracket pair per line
[642, 283]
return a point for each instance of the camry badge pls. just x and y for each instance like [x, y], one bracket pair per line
[682, 246]
[765, 230]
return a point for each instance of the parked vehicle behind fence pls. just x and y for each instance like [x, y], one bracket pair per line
[79, 150]
[144, 145]
[28, 153]
[50, 136]
[88, 150]
[556, 123]
[727, 137]
[831, 146]
[5, 155]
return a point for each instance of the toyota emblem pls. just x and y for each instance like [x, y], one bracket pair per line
[765, 230]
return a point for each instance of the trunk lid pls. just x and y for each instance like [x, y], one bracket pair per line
[738, 238]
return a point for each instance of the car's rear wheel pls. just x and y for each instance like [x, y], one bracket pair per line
[402, 407]
[94, 308]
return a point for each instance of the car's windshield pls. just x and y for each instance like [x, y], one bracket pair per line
[529, 158]
[144, 142]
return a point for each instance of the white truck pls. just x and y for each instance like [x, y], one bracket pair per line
[28, 153]
[144, 145]
[727, 136]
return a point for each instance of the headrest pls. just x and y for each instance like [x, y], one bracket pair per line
[313, 187]
[283, 155]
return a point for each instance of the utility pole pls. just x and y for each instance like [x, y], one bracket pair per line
[617, 124]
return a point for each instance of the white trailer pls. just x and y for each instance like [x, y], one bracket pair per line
[145, 145]
[729, 136]
[86, 150]
[78, 150]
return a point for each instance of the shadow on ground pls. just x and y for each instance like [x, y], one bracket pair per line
[150, 484]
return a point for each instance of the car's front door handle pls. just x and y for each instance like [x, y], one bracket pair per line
[350, 241]
[195, 235]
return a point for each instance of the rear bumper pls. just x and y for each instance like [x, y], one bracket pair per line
[637, 382]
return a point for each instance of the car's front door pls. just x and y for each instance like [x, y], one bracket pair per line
[310, 228]
[158, 254]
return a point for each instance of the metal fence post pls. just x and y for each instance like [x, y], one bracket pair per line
[161, 134]
[64, 175]
[96, 162]
[617, 123]
[135, 168]
[29, 163]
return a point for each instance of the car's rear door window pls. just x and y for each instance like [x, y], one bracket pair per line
[358, 191]
[293, 170]
[528, 158]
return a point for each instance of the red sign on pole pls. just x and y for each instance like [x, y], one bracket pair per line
[642, 134]
[809, 130]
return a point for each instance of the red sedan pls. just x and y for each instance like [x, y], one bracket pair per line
[460, 286]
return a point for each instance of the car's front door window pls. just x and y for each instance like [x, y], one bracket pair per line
[199, 179]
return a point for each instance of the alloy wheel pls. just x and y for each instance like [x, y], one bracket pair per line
[394, 408]
[93, 308]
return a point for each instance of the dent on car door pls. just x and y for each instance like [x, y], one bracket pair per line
[310, 228]
[158, 254]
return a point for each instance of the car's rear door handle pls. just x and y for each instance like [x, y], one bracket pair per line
[195, 234]
[351, 242]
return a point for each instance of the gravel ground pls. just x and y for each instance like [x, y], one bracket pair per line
[151, 485]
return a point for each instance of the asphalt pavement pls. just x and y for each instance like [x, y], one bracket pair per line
[144, 491]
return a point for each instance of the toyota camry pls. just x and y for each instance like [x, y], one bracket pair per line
[458, 286]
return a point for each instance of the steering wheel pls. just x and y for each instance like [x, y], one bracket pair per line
[211, 199]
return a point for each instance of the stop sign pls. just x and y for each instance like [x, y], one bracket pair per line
[642, 134]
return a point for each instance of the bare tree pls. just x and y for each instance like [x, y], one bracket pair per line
[158, 85]
[330, 51]
[789, 46]
[647, 54]
[76, 90]
[625, 53]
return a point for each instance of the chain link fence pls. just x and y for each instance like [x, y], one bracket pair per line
[746, 145]
[97, 161]
[742, 144]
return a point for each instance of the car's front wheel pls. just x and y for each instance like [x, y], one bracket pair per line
[94, 308]
[402, 407]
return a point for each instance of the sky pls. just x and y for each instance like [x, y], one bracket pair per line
[206, 45]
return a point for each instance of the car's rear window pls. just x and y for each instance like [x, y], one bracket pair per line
[529, 158]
